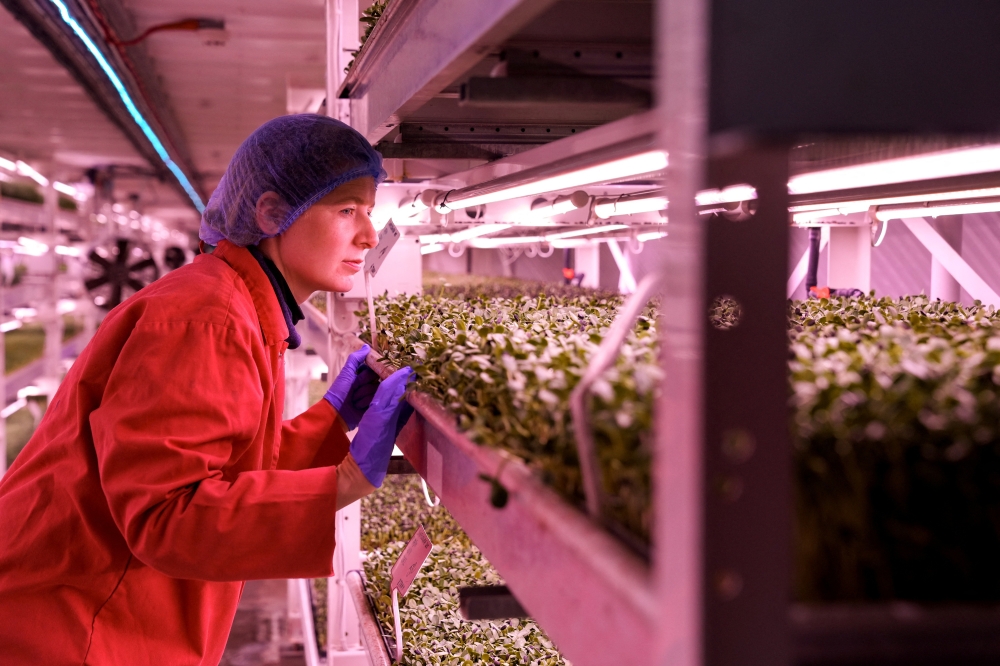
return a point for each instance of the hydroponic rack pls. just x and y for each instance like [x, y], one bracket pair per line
[738, 82]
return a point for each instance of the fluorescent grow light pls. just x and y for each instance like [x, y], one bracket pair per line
[109, 71]
[7, 164]
[958, 208]
[625, 167]
[431, 248]
[630, 204]
[944, 164]
[26, 170]
[586, 232]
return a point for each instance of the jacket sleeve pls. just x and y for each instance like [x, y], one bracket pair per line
[314, 438]
[182, 401]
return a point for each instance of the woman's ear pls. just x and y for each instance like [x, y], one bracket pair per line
[270, 212]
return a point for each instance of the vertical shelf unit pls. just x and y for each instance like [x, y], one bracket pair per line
[513, 87]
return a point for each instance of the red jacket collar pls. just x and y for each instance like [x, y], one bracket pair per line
[272, 321]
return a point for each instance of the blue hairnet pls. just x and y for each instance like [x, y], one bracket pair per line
[301, 158]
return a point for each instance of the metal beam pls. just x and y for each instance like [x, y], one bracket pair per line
[952, 261]
[420, 47]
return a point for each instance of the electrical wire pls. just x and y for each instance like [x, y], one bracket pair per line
[119, 86]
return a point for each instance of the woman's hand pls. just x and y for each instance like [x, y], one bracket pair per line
[389, 411]
[352, 391]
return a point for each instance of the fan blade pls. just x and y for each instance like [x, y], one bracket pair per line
[139, 265]
[98, 259]
[116, 296]
[122, 258]
[94, 283]
[135, 284]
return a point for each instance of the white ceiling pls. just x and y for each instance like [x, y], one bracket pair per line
[46, 118]
[219, 94]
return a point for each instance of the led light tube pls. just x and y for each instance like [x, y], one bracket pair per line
[630, 204]
[431, 248]
[26, 170]
[68, 190]
[7, 164]
[501, 242]
[731, 194]
[586, 232]
[464, 235]
[971, 207]
[652, 235]
[626, 167]
[860, 206]
[944, 164]
[479, 230]
[109, 71]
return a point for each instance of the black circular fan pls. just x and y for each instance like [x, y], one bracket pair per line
[125, 265]
[174, 257]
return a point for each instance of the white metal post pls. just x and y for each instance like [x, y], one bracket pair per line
[49, 311]
[943, 283]
[3, 379]
[682, 37]
[850, 257]
[588, 262]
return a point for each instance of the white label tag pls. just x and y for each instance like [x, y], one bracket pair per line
[386, 239]
[410, 560]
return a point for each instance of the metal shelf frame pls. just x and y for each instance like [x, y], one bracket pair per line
[418, 49]
[717, 590]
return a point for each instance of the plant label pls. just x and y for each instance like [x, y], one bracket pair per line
[386, 239]
[412, 558]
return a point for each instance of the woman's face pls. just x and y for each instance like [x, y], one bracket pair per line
[324, 248]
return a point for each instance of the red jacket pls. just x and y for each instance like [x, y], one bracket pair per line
[162, 476]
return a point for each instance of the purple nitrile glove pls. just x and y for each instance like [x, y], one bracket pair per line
[352, 391]
[389, 410]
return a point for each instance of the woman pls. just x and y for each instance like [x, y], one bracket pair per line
[162, 475]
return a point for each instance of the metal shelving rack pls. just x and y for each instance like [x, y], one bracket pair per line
[738, 81]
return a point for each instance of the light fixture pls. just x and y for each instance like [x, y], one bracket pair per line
[413, 206]
[130, 106]
[464, 235]
[617, 169]
[68, 190]
[502, 242]
[478, 230]
[943, 164]
[11, 325]
[731, 194]
[31, 247]
[7, 164]
[26, 170]
[630, 204]
[651, 235]
[585, 232]
[951, 208]
[68, 251]
[543, 210]
[431, 248]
